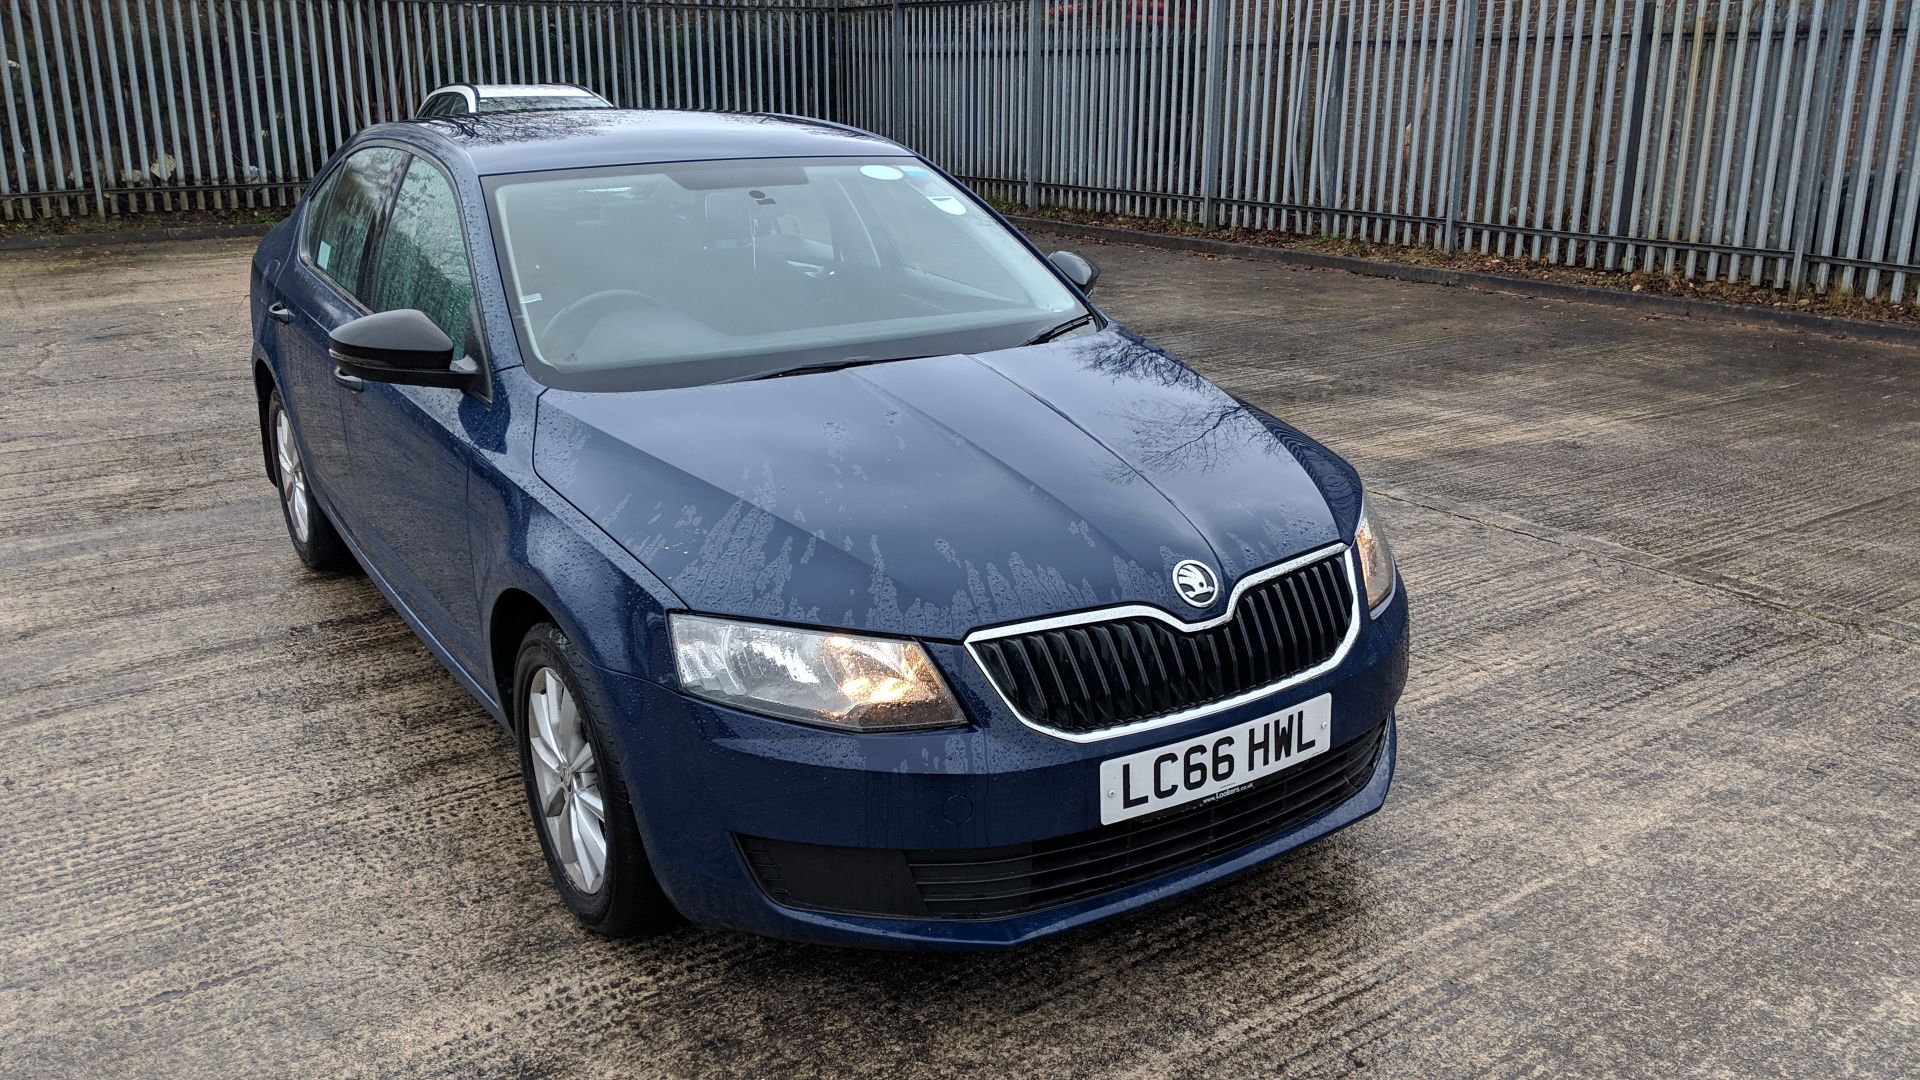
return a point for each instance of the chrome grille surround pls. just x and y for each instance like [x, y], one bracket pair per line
[1355, 617]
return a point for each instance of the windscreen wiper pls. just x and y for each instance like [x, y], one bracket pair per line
[812, 369]
[1048, 335]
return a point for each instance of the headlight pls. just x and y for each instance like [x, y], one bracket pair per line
[835, 680]
[1376, 557]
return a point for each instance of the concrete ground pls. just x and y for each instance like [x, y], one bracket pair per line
[1656, 813]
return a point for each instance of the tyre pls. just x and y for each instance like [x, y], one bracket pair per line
[314, 537]
[572, 767]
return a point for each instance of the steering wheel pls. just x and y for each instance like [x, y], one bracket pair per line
[567, 330]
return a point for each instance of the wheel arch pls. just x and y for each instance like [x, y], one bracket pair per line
[516, 611]
[263, 388]
[601, 627]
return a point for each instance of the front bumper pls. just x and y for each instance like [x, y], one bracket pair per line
[707, 780]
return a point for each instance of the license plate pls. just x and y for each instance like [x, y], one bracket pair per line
[1193, 769]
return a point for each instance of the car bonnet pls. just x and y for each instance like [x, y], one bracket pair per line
[931, 497]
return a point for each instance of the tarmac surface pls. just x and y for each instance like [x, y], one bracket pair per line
[1656, 810]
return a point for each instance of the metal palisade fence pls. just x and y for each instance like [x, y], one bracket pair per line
[1767, 141]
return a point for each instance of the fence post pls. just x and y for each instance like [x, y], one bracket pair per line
[1035, 31]
[625, 70]
[1332, 169]
[897, 86]
[1803, 201]
[1639, 59]
[1216, 74]
[1466, 20]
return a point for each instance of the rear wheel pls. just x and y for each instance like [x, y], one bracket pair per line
[572, 769]
[314, 538]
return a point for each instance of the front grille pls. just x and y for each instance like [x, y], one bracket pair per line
[1116, 672]
[995, 883]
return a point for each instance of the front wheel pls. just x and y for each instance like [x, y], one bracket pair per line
[314, 537]
[571, 765]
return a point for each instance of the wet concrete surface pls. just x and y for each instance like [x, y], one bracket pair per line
[1656, 810]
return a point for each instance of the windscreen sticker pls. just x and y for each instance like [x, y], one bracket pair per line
[881, 172]
[325, 255]
[948, 203]
[530, 298]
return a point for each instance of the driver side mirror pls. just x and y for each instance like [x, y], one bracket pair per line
[402, 346]
[1077, 267]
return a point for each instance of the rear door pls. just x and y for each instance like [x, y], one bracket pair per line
[410, 445]
[319, 290]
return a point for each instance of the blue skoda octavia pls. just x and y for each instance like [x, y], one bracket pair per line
[841, 571]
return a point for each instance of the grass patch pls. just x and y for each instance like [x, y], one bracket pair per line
[158, 220]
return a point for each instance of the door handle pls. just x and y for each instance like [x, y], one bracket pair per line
[279, 312]
[352, 382]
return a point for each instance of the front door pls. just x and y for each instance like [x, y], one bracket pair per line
[410, 446]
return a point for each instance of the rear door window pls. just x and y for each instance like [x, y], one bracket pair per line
[341, 219]
[422, 258]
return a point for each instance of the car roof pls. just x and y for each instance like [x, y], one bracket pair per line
[513, 90]
[509, 142]
[508, 90]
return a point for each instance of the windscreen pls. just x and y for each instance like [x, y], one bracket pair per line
[680, 274]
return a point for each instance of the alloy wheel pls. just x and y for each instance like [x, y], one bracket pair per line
[293, 478]
[567, 777]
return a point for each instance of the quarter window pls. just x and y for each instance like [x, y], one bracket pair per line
[447, 104]
[422, 261]
[343, 212]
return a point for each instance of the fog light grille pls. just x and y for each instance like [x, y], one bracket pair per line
[993, 883]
